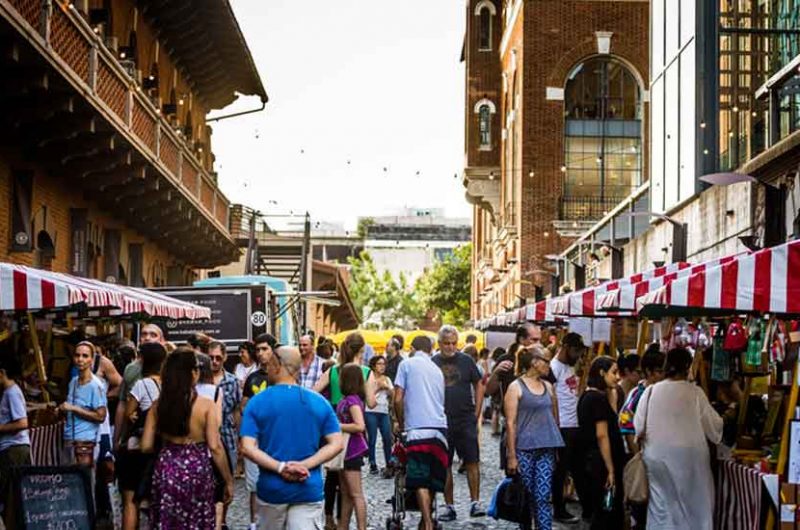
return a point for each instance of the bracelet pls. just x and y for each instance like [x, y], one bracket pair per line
[281, 465]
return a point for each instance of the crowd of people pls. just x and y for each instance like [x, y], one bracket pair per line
[300, 424]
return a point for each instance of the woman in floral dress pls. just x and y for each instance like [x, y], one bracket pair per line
[182, 494]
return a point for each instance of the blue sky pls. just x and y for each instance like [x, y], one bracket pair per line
[376, 83]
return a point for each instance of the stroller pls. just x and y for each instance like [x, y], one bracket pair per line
[403, 500]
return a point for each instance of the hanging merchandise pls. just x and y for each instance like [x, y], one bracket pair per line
[777, 349]
[735, 337]
[755, 358]
[720, 359]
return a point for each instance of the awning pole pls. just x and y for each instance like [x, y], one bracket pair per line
[37, 351]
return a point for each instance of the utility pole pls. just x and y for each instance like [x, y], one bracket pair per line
[304, 269]
[250, 257]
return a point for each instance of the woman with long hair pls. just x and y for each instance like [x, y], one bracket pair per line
[532, 432]
[183, 480]
[131, 462]
[676, 422]
[377, 417]
[350, 412]
[602, 448]
[352, 352]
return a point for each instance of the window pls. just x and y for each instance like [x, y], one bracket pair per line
[485, 30]
[485, 119]
[603, 138]
[485, 11]
[484, 109]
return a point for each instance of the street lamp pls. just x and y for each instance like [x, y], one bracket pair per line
[680, 233]
[726, 179]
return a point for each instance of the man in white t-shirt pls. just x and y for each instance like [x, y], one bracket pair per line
[566, 386]
[419, 405]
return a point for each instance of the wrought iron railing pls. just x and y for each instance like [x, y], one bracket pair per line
[81, 55]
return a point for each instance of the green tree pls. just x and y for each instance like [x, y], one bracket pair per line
[379, 298]
[445, 287]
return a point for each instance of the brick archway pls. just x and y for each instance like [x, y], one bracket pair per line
[588, 48]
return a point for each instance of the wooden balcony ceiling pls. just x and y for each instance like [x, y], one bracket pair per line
[204, 38]
[50, 124]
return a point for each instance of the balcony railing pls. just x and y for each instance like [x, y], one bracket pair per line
[587, 207]
[60, 32]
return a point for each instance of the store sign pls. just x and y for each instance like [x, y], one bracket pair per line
[230, 316]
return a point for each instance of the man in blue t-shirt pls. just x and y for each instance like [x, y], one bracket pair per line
[281, 432]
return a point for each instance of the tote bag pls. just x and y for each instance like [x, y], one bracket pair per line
[337, 463]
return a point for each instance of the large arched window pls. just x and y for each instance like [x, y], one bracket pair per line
[603, 138]
[485, 11]
[484, 109]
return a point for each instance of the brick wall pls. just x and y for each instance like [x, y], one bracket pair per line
[546, 40]
[58, 197]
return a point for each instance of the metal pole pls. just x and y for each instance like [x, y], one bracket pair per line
[249, 266]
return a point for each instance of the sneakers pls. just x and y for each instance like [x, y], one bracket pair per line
[476, 509]
[373, 469]
[387, 472]
[449, 514]
[566, 517]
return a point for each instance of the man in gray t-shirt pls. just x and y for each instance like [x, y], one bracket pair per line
[462, 381]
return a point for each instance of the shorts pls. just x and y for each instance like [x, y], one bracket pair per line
[354, 464]
[463, 440]
[130, 467]
[427, 463]
[251, 472]
[308, 516]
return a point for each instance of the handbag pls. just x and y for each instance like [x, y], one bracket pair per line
[634, 475]
[510, 501]
[337, 462]
[735, 338]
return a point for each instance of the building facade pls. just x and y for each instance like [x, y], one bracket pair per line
[725, 141]
[106, 167]
[556, 133]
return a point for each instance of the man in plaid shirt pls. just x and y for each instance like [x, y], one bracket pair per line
[311, 366]
[228, 385]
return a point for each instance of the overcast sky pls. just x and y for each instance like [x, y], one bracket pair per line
[377, 83]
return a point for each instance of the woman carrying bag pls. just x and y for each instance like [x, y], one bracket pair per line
[679, 424]
[532, 433]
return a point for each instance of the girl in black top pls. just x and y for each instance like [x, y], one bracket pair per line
[602, 446]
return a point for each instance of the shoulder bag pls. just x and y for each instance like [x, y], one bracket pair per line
[634, 476]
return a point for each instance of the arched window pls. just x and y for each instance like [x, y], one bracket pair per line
[484, 109]
[603, 138]
[485, 122]
[485, 11]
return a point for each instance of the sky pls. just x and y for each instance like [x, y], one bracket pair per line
[365, 114]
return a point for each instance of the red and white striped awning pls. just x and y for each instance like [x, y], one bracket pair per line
[542, 311]
[766, 281]
[583, 303]
[28, 289]
[624, 298]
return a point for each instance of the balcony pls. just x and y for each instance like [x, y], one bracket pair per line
[590, 202]
[67, 103]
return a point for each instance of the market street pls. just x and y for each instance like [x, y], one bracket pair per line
[377, 490]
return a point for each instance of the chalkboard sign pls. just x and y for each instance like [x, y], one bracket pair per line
[55, 498]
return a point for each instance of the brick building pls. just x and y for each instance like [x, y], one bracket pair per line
[106, 167]
[556, 106]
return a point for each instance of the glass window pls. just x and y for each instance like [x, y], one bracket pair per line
[485, 29]
[485, 125]
[602, 138]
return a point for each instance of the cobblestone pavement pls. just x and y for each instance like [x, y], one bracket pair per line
[377, 490]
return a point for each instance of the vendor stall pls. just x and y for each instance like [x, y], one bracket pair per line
[756, 295]
[52, 305]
